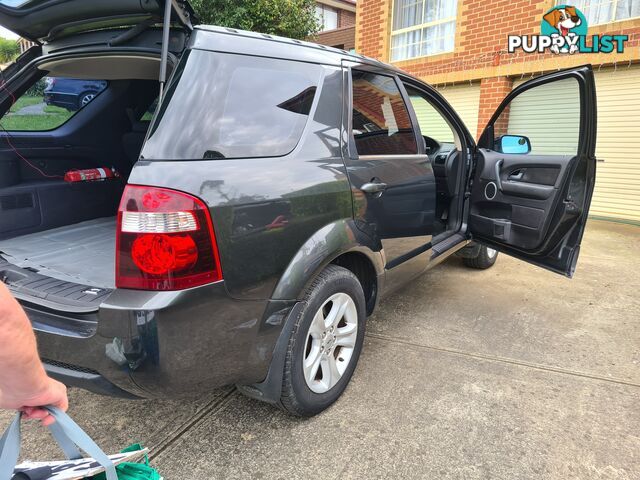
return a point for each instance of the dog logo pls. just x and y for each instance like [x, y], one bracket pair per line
[564, 24]
[563, 30]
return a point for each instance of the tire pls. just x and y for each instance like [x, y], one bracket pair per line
[303, 393]
[85, 98]
[486, 258]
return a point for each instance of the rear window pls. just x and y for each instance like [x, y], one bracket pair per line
[49, 103]
[232, 106]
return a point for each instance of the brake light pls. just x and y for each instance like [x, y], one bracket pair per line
[165, 241]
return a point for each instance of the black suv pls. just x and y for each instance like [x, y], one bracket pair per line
[281, 189]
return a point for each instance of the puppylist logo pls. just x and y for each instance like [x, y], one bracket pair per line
[564, 30]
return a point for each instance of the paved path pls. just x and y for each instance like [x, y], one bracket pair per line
[37, 109]
[509, 373]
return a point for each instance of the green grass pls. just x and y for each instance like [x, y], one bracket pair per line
[52, 117]
[54, 109]
[25, 102]
[34, 123]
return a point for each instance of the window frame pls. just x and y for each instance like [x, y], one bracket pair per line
[29, 84]
[487, 138]
[351, 145]
[614, 8]
[421, 26]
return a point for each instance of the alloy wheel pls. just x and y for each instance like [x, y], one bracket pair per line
[330, 343]
[86, 99]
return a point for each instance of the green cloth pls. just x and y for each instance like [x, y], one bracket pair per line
[133, 471]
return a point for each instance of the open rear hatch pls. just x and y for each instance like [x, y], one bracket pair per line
[45, 20]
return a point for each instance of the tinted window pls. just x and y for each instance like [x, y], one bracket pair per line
[50, 102]
[233, 106]
[381, 124]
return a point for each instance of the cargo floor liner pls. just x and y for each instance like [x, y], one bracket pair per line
[82, 253]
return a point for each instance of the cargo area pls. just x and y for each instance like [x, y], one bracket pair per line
[81, 253]
[57, 241]
[57, 235]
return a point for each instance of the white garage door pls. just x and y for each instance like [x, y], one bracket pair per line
[465, 99]
[617, 192]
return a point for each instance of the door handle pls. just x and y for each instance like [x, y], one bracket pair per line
[374, 187]
[517, 175]
[498, 181]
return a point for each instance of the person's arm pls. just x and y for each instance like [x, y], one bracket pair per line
[24, 385]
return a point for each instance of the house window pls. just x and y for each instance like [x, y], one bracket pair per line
[422, 27]
[327, 17]
[605, 11]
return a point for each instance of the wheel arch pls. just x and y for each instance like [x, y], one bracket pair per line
[340, 243]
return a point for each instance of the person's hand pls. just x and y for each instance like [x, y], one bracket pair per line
[51, 392]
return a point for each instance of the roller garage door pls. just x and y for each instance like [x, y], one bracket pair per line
[617, 192]
[465, 99]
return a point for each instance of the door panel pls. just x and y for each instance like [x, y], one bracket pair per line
[515, 209]
[392, 177]
[534, 205]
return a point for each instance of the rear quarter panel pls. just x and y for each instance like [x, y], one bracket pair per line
[265, 209]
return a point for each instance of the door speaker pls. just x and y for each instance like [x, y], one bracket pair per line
[490, 191]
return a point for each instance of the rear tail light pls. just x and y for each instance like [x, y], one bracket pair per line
[165, 241]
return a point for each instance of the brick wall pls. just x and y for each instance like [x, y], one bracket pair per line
[373, 22]
[346, 18]
[492, 92]
[480, 52]
[344, 37]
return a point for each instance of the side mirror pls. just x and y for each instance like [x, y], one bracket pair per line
[514, 144]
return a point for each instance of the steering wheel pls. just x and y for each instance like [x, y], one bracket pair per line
[431, 145]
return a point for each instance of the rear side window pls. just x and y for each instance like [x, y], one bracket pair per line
[381, 123]
[50, 102]
[233, 106]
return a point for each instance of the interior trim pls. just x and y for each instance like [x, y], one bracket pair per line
[104, 67]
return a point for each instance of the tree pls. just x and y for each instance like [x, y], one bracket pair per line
[287, 18]
[9, 50]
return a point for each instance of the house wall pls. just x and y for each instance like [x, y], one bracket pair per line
[344, 37]
[346, 18]
[480, 53]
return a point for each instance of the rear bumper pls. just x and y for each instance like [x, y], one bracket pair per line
[162, 344]
[88, 379]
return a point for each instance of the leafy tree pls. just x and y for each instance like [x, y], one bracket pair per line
[9, 49]
[287, 18]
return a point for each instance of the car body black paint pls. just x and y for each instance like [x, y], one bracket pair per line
[279, 221]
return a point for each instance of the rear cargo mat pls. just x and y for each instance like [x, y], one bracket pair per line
[81, 253]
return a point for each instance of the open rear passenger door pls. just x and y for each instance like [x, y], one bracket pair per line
[535, 171]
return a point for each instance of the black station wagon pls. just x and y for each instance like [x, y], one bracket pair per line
[244, 231]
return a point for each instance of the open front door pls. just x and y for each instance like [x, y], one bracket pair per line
[535, 171]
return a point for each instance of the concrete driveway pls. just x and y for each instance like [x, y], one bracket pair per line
[508, 373]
